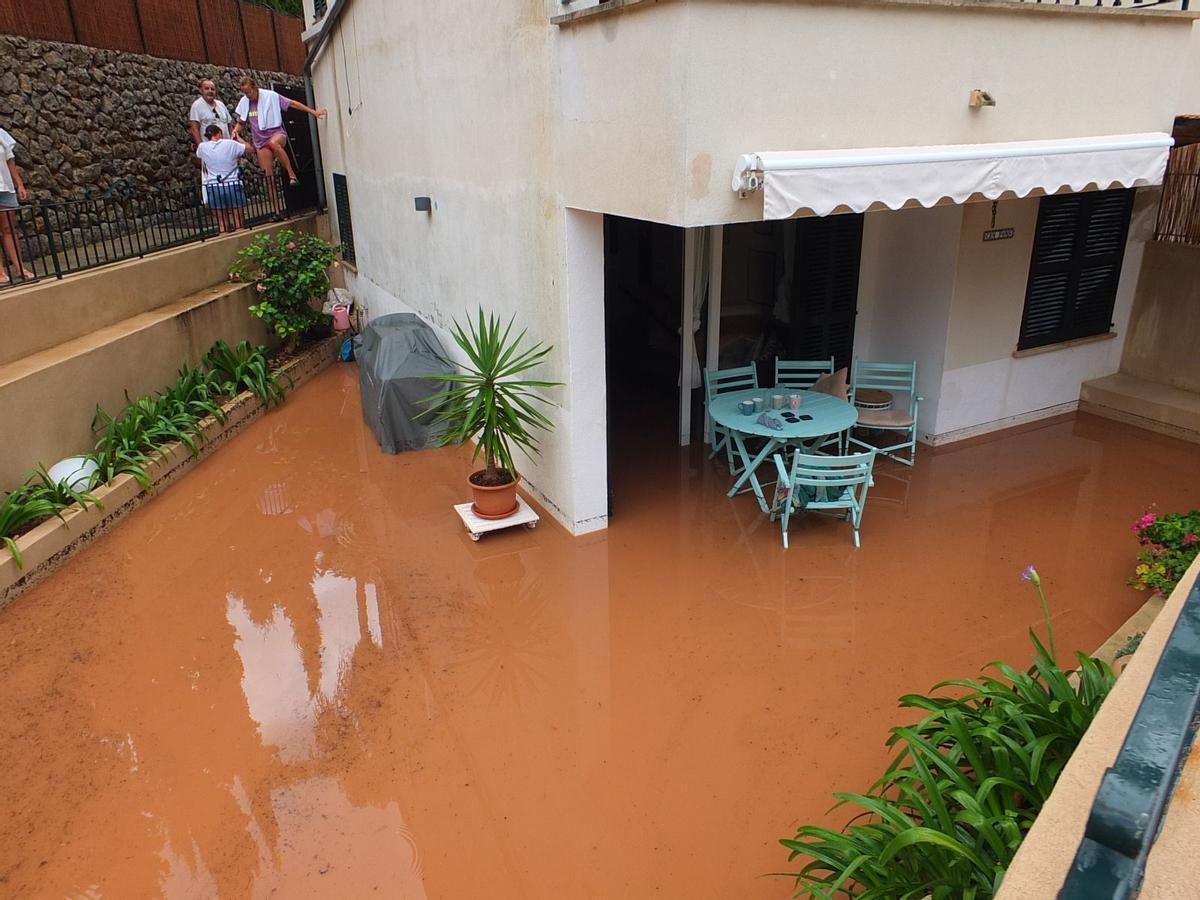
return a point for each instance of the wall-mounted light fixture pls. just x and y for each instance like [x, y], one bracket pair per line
[424, 204]
[980, 99]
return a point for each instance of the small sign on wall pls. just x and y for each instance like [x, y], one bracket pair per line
[994, 233]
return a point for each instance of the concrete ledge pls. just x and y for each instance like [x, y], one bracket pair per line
[53, 394]
[55, 541]
[1147, 404]
[1045, 856]
[51, 312]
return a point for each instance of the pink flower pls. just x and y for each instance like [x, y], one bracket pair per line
[1144, 522]
[262, 288]
[1189, 539]
[291, 245]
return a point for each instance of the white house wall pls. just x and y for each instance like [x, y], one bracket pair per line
[986, 385]
[459, 108]
[906, 285]
[660, 99]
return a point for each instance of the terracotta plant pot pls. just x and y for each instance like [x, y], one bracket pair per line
[497, 502]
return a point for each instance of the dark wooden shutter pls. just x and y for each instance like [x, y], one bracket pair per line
[1075, 267]
[341, 197]
[825, 287]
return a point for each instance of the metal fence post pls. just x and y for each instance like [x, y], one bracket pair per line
[44, 207]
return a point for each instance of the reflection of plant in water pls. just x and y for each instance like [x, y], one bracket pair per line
[506, 635]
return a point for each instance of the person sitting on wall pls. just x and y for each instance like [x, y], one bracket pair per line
[222, 177]
[261, 110]
[208, 110]
[12, 193]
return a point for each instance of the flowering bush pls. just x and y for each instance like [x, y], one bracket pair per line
[289, 271]
[1170, 544]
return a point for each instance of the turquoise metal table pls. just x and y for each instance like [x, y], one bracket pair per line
[829, 415]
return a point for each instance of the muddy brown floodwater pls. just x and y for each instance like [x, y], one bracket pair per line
[293, 675]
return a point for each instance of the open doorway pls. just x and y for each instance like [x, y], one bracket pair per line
[787, 289]
[643, 263]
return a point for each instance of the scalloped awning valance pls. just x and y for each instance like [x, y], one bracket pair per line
[827, 180]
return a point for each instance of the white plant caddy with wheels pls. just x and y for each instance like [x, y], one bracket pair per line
[479, 527]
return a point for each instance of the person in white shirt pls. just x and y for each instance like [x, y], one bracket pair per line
[12, 194]
[208, 110]
[223, 177]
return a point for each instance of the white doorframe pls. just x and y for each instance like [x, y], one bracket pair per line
[716, 238]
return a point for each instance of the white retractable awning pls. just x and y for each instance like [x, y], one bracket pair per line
[824, 180]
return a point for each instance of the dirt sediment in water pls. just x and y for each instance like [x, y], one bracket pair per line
[293, 674]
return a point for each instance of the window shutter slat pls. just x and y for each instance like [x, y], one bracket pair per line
[341, 196]
[1075, 266]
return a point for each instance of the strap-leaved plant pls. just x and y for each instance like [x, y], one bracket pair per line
[492, 401]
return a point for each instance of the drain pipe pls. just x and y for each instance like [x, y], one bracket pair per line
[314, 50]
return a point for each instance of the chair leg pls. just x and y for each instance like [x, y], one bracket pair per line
[787, 516]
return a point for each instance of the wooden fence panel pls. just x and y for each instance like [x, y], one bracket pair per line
[260, 38]
[112, 25]
[291, 49]
[171, 29]
[47, 20]
[195, 30]
[223, 30]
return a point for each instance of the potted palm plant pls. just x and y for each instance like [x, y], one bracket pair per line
[494, 403]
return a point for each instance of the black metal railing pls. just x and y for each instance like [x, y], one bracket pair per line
[124, 222]
[1137, 788]
[1179, 209]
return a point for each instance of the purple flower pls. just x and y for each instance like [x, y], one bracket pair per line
[291, 245]
[1031, 575]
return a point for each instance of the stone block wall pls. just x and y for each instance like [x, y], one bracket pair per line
[83, 117]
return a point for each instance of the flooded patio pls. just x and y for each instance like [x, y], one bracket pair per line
[294, 675]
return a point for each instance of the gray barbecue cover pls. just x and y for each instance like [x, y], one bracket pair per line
[395, 354]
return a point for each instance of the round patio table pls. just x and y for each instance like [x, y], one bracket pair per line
[827, 415]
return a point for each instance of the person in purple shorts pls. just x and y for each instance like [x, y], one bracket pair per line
[261, 111]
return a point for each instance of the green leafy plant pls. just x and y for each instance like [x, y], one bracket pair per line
[1130, 646]
[1170, 543]
[491, 402]
[289, 271]
[243, 368]
[196, 392]
[39, 498]
[946, 818]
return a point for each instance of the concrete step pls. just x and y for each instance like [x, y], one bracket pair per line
[47, 314]
[1147, 404]
[48, 398]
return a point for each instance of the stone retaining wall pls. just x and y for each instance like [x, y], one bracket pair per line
[84, 117]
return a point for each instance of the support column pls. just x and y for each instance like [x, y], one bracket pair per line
[687, 340]
[716, 241]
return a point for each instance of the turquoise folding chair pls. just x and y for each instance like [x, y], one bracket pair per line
[900, 380]
[801, 374]
[833, 485]
[722, 381]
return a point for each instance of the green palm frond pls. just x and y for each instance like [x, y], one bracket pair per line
[492, 401]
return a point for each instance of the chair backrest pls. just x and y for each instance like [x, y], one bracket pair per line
[893, 377]
[722, 381]
[833, 481]
[801, 373]
[818, 470]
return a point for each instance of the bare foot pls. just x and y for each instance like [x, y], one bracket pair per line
[27, 275]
